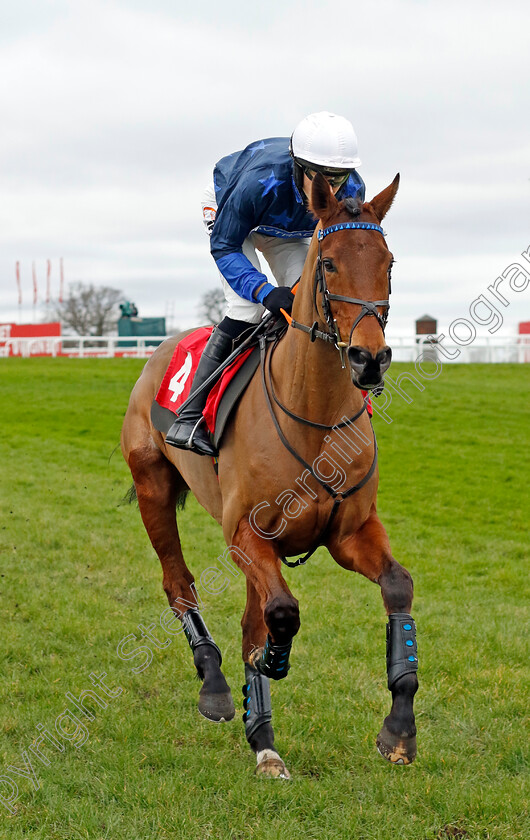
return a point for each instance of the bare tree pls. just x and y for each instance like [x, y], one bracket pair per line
[212, 306]
[88, 309]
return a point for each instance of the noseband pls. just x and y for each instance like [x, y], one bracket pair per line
[368, 307]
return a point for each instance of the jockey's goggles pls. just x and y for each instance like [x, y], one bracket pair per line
[334, 177]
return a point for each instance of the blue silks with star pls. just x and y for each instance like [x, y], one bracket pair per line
[255, 192]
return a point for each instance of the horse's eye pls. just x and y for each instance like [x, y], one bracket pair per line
[328, 265]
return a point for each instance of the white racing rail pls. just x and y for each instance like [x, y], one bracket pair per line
[82, 346]
[486, 349]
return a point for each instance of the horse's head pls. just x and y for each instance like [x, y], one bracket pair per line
[355, 265]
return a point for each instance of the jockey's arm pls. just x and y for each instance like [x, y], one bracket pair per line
[235, 219]
[245, 280]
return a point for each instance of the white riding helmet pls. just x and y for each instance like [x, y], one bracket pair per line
[325, 140]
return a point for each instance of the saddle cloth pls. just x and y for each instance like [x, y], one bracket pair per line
[176, 384]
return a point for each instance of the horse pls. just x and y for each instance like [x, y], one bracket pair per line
[297, 469]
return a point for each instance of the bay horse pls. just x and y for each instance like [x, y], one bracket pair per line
[303, 409]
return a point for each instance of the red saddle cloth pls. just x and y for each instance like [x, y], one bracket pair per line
[176, 384]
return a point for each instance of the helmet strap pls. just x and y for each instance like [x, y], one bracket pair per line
[298, 174]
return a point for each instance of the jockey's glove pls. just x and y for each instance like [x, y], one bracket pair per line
[280, 298]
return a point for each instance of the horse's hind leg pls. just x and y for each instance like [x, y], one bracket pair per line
[368, 552]
[158, 486]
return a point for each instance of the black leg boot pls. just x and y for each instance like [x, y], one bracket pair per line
[189, 431]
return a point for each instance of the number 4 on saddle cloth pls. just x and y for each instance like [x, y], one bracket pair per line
[176, 384]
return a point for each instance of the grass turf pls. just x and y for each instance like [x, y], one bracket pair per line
[78, 575]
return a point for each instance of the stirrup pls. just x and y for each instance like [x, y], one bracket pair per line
[191, 446]
[189, 442]
[206, 442]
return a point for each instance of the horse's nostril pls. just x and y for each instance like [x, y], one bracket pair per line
[383, 358]
[358, 358]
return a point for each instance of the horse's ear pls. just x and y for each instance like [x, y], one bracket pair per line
[323, 203]
[382, 203]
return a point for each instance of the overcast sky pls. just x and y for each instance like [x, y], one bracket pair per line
[113, 114]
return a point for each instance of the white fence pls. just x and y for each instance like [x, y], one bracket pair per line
[487, 349]
[82, 346]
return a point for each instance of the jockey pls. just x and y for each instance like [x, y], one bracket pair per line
[259, 202]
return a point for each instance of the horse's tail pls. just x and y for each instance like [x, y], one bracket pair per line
[132, 497]
[181, 498]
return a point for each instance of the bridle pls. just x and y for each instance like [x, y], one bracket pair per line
[368, 307]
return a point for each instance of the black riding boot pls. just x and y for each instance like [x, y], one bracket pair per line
[188, 431]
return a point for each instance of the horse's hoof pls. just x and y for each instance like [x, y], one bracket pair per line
[272, 767]
[395, 749]
[217, 707]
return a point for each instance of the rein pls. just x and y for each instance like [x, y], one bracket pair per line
[337, 496]
[368, 307]
[303, 419]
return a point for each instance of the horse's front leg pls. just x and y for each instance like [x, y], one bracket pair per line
[270, 621]
[368, 552]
